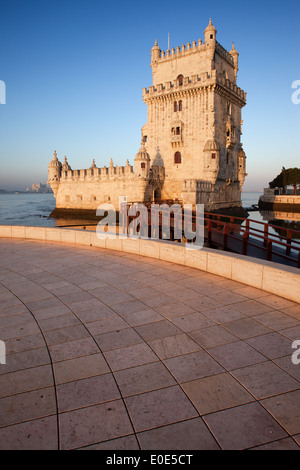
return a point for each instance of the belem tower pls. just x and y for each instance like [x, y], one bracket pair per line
[191, 150]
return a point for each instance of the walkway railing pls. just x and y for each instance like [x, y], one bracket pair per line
[246, 236]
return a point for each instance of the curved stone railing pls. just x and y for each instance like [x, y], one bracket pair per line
[270, 277]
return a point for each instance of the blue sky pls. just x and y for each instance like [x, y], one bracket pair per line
[74, 73]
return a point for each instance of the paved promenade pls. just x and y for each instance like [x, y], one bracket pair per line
[109, 350]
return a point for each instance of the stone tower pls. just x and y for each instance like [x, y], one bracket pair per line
[191, 149]
[194, 122]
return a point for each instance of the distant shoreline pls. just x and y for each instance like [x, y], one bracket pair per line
[4, 191]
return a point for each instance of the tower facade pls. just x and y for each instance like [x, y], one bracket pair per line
[194, 122]
[191, 150]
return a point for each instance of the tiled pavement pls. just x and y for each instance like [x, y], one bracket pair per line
[107, 350]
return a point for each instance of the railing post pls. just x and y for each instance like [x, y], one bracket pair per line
[288, 241]
[269, 250]
[245, 242]
[225, 232]
[266, 234]
[209, 227]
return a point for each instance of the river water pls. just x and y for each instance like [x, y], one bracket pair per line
[34, 210]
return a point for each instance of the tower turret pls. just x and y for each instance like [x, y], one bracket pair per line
[142, 162]
[155, 53]
[210, 40]
[65, 165]
[54, 173]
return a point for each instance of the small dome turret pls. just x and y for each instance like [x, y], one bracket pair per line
[210, 34]
[142, 161]
[93, 165]
[155, 52]
[65, 165]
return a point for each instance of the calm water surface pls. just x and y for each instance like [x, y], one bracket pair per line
[35, 210]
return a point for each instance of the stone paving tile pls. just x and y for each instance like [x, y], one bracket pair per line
[175, 345]
[158, 300]
[25, 343]
[160, 407]
[266, 379]
[99, 312]
[236, 354]
[148, 315]
[246, 328]
[191, 434]
[216, 392]
[62, 321]
[25, 380]
[118, 339]
[174, 310]
[86, 392]
[131, 356]
[271, 345]
[277, 320]
[286, 364]
[293, 311]
[276, 302]
[80, 368]
[93, 424]
[285, 409]
[203, 303]
[228, 427]
[17, 331]
[72, 349]
[283, 444]
[129, 307]
[193, 366]
[250, 292]
[25, 360]
[192, 321]
[229, 297]
[251, 307]
[157, 330]
[293, 333]
[223, 314]
[62, 335]
[106, 325]
[143, 378]
[27, 406]
[40, 434]
[213, 336]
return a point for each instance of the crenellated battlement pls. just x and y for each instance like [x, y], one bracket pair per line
[97, 174]
[184, 50]
[193, 83]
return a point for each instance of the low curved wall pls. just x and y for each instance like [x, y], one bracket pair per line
[270, 277]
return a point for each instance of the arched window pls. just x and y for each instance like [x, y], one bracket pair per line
[143, 165]
[180, 105]
[175, 106]
[180, 80]
[177, 158]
